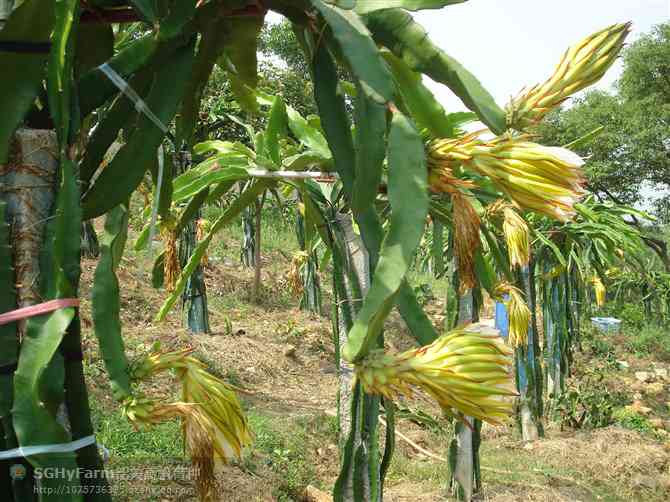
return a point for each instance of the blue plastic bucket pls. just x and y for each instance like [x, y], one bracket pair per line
[606, 324]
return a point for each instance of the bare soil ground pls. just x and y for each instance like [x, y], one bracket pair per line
[283, 358]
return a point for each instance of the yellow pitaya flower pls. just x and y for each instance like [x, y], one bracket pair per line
[517, 311]
[467, 371]
[543, 179]
[214, 425]
[600, 291]
[516, 232]
[581, 66]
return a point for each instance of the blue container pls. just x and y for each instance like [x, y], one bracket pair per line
[607, 324]
[502, 320]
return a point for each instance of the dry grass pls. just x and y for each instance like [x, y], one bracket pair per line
[613, 455]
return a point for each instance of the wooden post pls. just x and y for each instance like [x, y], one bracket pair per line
[29, 180]
[258, 207]
[29, 183]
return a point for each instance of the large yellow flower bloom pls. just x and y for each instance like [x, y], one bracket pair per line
[600, 290]
[544, 179]
[214, 425]
[468, 372]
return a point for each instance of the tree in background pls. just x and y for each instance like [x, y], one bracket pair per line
[608, 169]
[645, 88]
[282, 71]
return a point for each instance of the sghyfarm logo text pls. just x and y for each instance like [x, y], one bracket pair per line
[68, 474]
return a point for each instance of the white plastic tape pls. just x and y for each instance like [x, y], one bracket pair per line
[125, 88]
[27, 451]
[141, 107]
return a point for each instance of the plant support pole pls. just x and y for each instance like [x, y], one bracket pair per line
[28, 183]
[528, 369]
[248, 250]
[356, 410]
[309, 275]
[555, 333]
[258, 209]
[194, 299]
[464, 449]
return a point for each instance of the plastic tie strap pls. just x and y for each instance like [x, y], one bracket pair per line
[141, 107]
[27, 451]
[25, 47]
[39, 309]
[125, 88]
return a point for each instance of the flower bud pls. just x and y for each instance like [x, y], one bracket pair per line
[581, 66]
[517, 310]
[516, 232]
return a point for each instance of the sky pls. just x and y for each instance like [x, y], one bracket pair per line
[512, 43]
[515, 43]
[508, 44]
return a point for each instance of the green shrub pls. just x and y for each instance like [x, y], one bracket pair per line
[649, 340]
[629, 419]
[632, 315]
[600, 347]
[587, 403]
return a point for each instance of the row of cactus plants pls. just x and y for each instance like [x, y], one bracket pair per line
[402, 139]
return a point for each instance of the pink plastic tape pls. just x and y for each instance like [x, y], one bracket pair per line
[39, 309]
